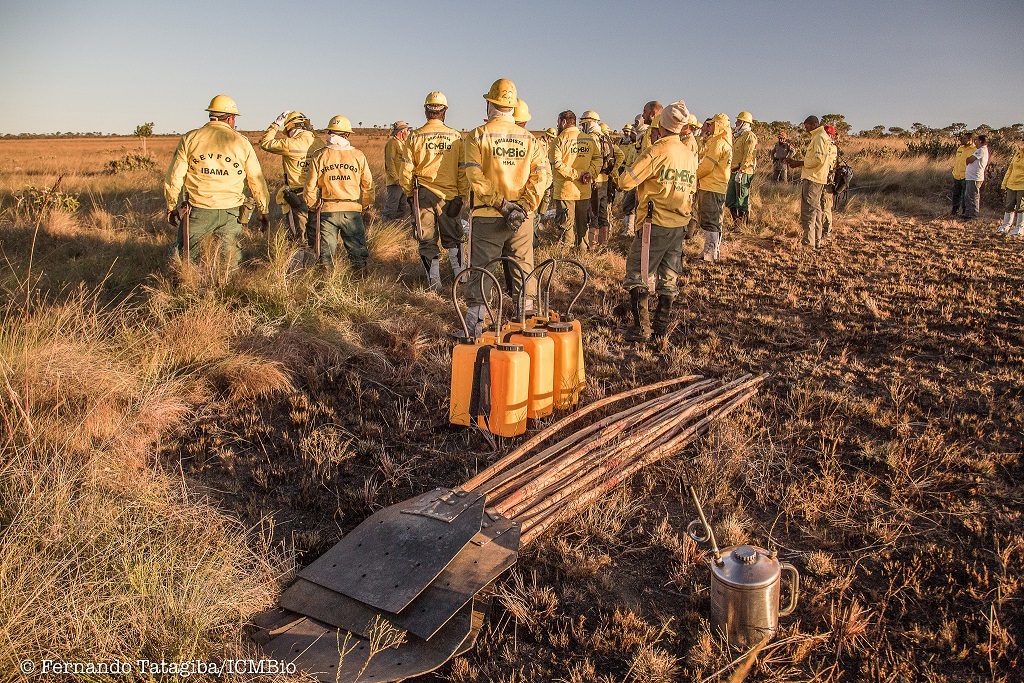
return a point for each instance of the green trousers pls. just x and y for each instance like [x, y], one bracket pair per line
[709, 210]
[666, 259]
[491, 239]
[575, 225]
[221, 223]
[434, 223]
[737, 196]
[811, 214]
[348, 225]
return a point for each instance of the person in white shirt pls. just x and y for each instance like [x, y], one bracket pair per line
[976, 164]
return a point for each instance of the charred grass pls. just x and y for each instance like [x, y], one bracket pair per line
[256, 420]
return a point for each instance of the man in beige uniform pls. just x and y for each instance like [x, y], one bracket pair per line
[507, 174]
[340, 186]
[431, 158]
[396, 205]
[298, 143]
[575, 162]
[665, 176]
[814, 169]
[213, 164]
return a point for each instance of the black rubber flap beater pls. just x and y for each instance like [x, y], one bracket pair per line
[389, 559]
[490, 553]
[335, 656]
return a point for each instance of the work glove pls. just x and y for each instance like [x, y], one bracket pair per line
[586, 178]
[279, 121]
[454, 207]
[173, 218]
[514, 214]
[264, 222]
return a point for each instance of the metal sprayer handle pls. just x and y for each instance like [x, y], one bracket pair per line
[506, 260]
[537, 272]
[709, 535]
[698, 532]
[455, 294]
[583, 286]
[795, 591]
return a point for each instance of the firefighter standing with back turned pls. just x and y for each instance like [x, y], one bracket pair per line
[395, 204]
[575, 162]
[295, 147]
[213, 164]
[430, 162]
[339, 189]
[713, 177]
[506, 174]
[665, 177]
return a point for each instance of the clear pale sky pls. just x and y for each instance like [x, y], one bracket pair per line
[107, 66]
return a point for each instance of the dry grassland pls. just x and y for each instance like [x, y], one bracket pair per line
[173, 446]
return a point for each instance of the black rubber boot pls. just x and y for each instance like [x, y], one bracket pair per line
[641, 328]
[662, 315]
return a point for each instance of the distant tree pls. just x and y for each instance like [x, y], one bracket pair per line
[876, 132]
[143, 131]
[956, 129]
[919, 130]
[837, 121]
[897, 131]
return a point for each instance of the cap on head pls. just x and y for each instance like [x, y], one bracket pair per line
[296, 118]
[590, 115]
[436, 98]
[551, 133]
[605, 128]
[502, 93]
[745, 116]
[399, 125]
[692, 121]
[628, 126]
[783, 135]
[339, 124]
[521, 114]
[222, 104]
[830, 130]
[674, 117]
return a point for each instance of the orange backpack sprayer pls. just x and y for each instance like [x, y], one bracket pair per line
[541, 349]
[490, 379]
[567, 334]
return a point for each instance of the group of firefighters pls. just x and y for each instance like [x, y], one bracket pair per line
[677, 174]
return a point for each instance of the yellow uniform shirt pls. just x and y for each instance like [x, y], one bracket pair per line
[342, 178]
[743, 149]
[432, 155]
[574, 154]
[665, 175]
[504, 162]
[714, 169]
[213, 164]
[619, 161]
[819, 157]
[960, 161]
[295, 153]
[628, 150]
[1013, 179]
[393, 160]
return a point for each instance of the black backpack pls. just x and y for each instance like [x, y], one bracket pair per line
[607, 152]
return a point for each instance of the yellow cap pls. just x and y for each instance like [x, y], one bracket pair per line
[222, 104]
[590, 115]
[436, 98]
[551, 133]
[293, 119]
[502, 93]
[521, 114]
[692, 121]
[628, 126]
[745, 116]
[339, 124]
[605, 128]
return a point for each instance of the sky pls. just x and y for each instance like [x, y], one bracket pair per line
[87, 66]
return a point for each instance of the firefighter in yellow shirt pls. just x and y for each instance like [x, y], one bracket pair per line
[814, 171]
[713, 181]
[964, 150]
[665, 177]
[1013, 203]
[295, 147]
[603, 192]
[431, 160]
[213, 164]
[575, 162]
[744, 162]
[340, 188]
[507, 174]
[396, 205]
[550, 136]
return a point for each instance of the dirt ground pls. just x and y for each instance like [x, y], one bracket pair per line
[882, 458]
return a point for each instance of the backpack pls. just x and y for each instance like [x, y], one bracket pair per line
[607, 153]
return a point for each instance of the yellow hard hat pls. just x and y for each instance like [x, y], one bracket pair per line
[590, 115]
[293, 119]
[605, 128]
[502, 93]
[692, 121]
[745, 116]
[551, 133]
[628, 126]
[436, 97]
[339, 124]
[222, 104]
[521, 114]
